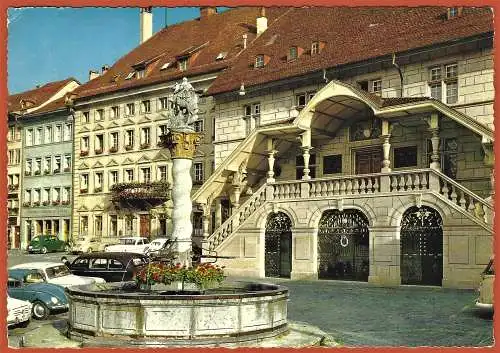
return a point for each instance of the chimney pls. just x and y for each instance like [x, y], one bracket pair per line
[93, 74]
[146, 24]
[104, 69]
[261, 21]
[207, 11]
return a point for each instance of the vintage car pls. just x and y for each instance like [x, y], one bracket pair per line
[46, 298]
[485, 298]
[18, 312]
[84, 245]
[54, 272]
[158, 244]
[111, 266]
[47, 243]
[130, 244]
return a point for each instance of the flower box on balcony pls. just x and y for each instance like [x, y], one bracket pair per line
[65, 202]
[128, 147]
[83, 191]
[84, 153]
[13, 187]
[46, 171]
[98, 189]
[26, 204]
[27, 172]
[67, 169]
[45, 203]
[56, 171]
[56, 202]
[113, 149]
[36, 203]
[37, 172]
[98, 151]
[144, 146]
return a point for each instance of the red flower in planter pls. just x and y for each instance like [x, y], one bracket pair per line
[84, 153]
[98, 151]
[113, 149]
[128, 147]
[83, 191]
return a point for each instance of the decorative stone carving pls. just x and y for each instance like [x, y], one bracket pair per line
[184, 107]
[181, 144]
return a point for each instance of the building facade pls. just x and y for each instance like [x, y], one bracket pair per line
[47, 168]
[28, 107]
[376, 168]
[122, 112]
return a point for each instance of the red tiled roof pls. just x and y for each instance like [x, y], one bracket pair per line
[208, 37]
[38, 95]
[52, 106]
[350, 35]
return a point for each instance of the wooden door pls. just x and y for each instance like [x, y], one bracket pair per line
[144, 226]
[368, 161]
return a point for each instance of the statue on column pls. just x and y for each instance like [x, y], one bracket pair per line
[184, 107]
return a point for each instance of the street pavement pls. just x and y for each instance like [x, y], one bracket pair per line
[357, 314]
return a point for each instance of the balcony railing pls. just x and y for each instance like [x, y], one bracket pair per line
[383, 184]
[140, 195]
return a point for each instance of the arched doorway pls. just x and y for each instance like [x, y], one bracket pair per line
[343, 245]
[278, 245]
[422, 247]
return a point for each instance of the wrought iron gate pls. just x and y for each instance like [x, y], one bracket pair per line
[421, 247]
[278, 245]
[343, 245]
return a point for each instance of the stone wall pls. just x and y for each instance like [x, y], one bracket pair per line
[466, 243]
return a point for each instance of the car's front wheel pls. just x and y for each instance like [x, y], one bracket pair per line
[44, 250]
[40, 311]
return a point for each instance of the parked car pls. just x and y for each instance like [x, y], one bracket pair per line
[158, 244]
[83, 245]
[111, 266]
[18, 312]
[46, 298]
[130, 244]
[54, 272]
[485, 298]
[47, 243]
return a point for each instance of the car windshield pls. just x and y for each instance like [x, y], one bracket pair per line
[127, 241]
[138, 261]
[57, 271]
[35, 240]
[156, 243]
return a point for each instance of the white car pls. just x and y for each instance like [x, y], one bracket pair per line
[83, 245]
[157, 244]
[138, 245]
[18, 312]
[57, 273]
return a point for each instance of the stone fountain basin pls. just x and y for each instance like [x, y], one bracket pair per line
[234, 312]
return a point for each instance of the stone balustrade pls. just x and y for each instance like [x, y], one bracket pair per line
[420, 180]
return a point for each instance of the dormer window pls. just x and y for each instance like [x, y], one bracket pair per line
[292, 53]
[454, 12]
[221, 56]
[165, 66]
[314, 48]
[130, 75]
[259, 61]
[141, 73]
[183, 64]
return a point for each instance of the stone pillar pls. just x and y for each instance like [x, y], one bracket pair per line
[270, 160]
[306, 155]
[182, 145]
[489, 161]
[386, 146]
[433, 122]
[218, 213]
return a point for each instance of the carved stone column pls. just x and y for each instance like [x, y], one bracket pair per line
[386, 146]
[218, 213]
[489, 161]
[433, 122]
[306, 155]
[182, 145]
[270, 160]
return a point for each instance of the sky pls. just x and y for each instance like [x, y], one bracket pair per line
[51, 44]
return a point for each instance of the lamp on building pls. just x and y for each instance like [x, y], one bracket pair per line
[242, 89]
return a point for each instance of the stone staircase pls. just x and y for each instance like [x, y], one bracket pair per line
[417, 182]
